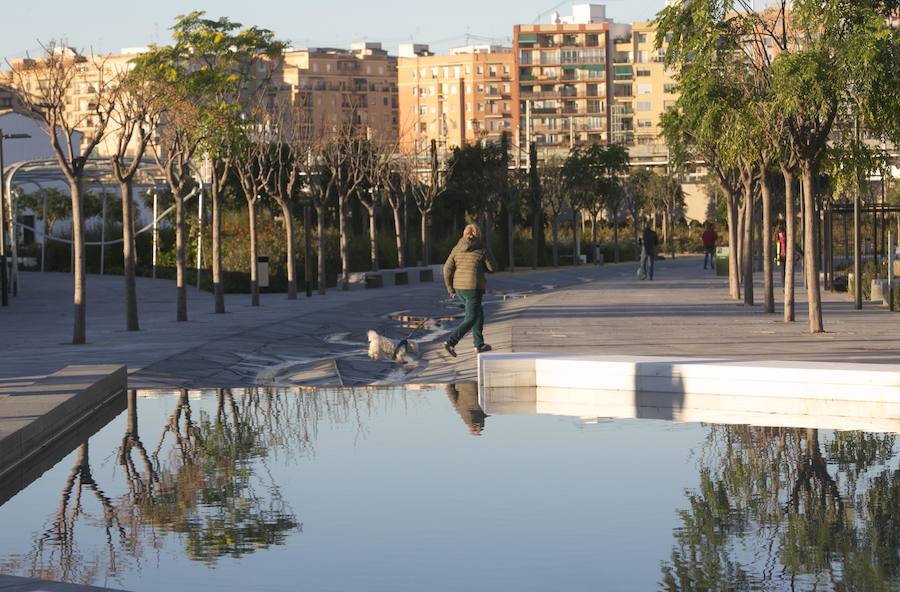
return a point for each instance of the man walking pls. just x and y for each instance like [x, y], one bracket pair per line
[709, 246]
[649, 243]
[464, 277]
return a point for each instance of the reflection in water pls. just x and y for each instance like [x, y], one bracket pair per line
[780, 508]
[465, 400]
[205, 481]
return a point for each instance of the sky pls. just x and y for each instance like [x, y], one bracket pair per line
[106, 26]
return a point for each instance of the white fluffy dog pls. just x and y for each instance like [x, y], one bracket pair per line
[385, 348]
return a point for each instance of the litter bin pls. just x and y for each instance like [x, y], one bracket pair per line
[262, 271]
[721, 260]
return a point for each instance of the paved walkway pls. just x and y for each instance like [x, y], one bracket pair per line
[322, 340]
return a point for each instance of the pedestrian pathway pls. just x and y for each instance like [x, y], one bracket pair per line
[685, 311]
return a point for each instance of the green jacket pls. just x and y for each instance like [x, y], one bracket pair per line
[465, 267]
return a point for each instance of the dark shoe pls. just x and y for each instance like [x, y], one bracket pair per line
[450, 349]
[483, 348]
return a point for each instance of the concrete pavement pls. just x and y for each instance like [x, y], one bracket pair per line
[684, 311]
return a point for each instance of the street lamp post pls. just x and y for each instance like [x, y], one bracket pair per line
[307, 247]
[4, 281]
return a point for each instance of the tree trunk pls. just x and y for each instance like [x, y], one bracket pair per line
[594, 237]
[344, 229]
[616, 236]
[79, 330]
[734, 287]
[555, 229]
[810, 259]
[218, 288]
[320, 246]
[180, 240]
[576, 259]
[254, 276]
[373, 239]
[747, 244]
[789, 221]
[398, 234]
[511, 238]
[536, 231]
[766, 238]
[291, 256]
[423, 231]
[131, 306]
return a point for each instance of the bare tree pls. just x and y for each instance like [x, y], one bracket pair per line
[135, 117]
[46, 85]
[174, 146]
[254, 171]
[425, 187]
[346, 162]
[553, 188]
[377, 161]
[290, 147]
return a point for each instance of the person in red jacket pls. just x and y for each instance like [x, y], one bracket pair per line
[709, 246]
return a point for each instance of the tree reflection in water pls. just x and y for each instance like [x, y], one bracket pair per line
[782, 508]
[206, 481]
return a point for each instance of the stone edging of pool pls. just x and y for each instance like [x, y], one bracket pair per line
[693, 389]
[34, 415]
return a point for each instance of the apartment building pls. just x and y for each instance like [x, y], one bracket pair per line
[337, 84]
[455, 99]
[564, 80]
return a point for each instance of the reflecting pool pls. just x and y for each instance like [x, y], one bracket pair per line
[419, 489]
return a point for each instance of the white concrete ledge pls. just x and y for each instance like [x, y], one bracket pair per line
[779, 392]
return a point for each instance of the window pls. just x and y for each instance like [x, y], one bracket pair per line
[506, 88]
[469, 124]
[670, 87]
[506, 105]
[422, 72]
[643, 57]
[480, 107]
[415, 74]
[468, 107]
[644, 89]
[481, 88]
[415, 91]
[642, 38]
[468, 69]
[668, 104]
[479, 70]
[452, 89]
[328, 67]
[643, 106]
[492, 70]
[431, 90]
[368, 69]
[642, 73]
[315, 67]
[456, 71]
[381, 70]
[505, 69]
[434, 72]
[423, 127]
[423, 110]
[644, 123]
[385, 101]
[468, 89]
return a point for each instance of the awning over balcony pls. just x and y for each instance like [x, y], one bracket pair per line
[623, 71]
[527, 37]
[593, 67]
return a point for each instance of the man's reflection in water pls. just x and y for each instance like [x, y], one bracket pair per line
[465, 399]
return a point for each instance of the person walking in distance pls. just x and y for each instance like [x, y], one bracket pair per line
[709, 238]
[649, 243]
[464, 277]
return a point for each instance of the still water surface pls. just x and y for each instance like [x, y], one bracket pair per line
[417, 490]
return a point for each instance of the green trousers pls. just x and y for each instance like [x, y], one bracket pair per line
[474, 319]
